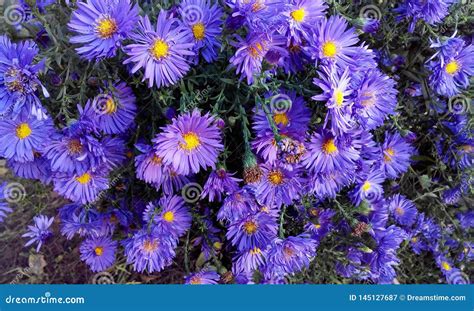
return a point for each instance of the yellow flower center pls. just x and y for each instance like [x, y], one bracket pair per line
[414, 239]
[217, 245]
[23, 131]
[150, 246]
[110, 106]
[107, 27]
[74, 146]
[329, 49]
[256, 50]
[281, 118]
[257, 6]
[289, 252]
[452, 67]
[195, 280]
[99, 250]
[329, 147]
[399, 211]
[389, 153]
[168, 216]
[298, 15]
[255, 251]
[84, 179]
[250, 227]
[159, 49]
[446, 266]
[338, 97]
[191, 141]
[366, 186]
[275, 177]
[156, 160]
[199, 31]
[317, 226]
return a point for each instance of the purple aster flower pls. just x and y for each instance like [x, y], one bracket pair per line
[40, 232]
[403, 210]
[375, 98]
[256, 230]
[292, 254]
[19, 79]
[396, 154]
[204, 277]
[39, 168]
[278, 185]
[431, 11]
[81, 188]
[220, 182]
[149, 167]
[453, 275]
[113, 111]
[466, 220]
[327, 185]
[332, 42]
[301, 18]
[98, 253]
[237, 205]
[172, 181]
[336, 90]
[163, 51]
[149, 251]
[258, 14]
[205, 23]
[4, 208]
[77, 219]
[289, 113]
[22, 136]
[101, 26]
[453, 68]
[190, 143]
[114, 152]
[369, 187]
[169, 216]
[250, 260]
[327, 153]
[320, 223]
[371, 25]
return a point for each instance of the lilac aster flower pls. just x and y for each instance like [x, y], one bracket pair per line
[250, 260]
[332, 42]
[39, 168]
[431, 11]
[169, 216]
[101, 26]
[375, 98]
[81, 188]
[163, 51]
[190, 143]
[326, 154]
[114, 152]
[403, 210]
[252, 231]
[327, 185]
[205, 23]
[453, 68]
[292, 254]
[204, 277]
[40, 232]
[336, 90]
[19, 79]
[301, 18]
[149, 166]
[278, 185]
[237, 205]
[453, 275]
[113, 111]
[220, 182]
[289, 113]
[22, 136]
[320, 223]
[149, 251]
[369, 187]
[172, 181]
[396, 154]
[77, 219]
[257, 14]
[98, 252]
[466, 219]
